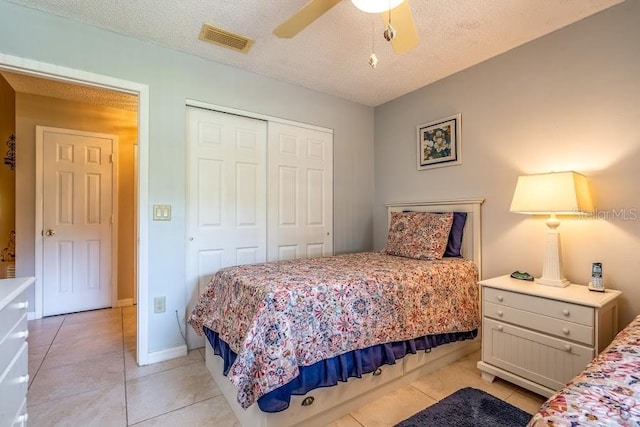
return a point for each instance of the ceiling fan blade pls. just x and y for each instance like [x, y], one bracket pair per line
[304, 17]
[402, 20]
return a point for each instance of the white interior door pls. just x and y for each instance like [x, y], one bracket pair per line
[300, 192]
[226, 197]
[77, 219]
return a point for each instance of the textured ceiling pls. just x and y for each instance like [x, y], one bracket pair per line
[331, 55]
[72, 92]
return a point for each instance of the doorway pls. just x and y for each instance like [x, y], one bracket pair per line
[72, 76]
[76, 180]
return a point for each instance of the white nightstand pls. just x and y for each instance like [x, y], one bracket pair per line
[539, 337]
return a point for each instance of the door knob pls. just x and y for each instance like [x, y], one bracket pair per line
[50, 232]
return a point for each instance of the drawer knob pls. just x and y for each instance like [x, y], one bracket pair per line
[22, 334]
[567, 347]
[565, 312]
[308, 401]
[499, 327]
[500, 298]
[565, 331]
[377, 372]
[500, 313]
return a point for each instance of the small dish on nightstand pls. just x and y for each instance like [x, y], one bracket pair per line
[522, 275]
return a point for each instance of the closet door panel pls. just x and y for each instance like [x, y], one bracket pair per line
[300, 192]
[226, 197]
[256, 191]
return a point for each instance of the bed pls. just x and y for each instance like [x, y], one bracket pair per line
[306, 341]
[605, 393]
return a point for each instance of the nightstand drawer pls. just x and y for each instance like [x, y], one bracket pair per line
[537, 357]
[543, 306]
[545, 324]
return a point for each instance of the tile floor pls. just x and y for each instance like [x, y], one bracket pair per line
[83, 372]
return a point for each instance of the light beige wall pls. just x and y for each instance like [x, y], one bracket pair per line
[7, 176]
[32, 110]
[567, 101]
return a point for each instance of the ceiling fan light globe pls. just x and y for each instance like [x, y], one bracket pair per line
[376, 6]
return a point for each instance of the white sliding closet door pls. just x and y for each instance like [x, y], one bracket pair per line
[250, 182]
[300, 192]
[226, 197]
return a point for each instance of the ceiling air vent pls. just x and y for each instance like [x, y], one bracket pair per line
[218, 36]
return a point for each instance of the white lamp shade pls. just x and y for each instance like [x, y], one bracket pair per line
[376, 6]
[560, 193]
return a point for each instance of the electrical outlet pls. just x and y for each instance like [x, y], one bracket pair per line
[159, 304]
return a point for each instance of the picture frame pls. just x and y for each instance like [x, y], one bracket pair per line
[439, 143]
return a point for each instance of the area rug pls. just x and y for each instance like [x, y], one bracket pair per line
[469, 407]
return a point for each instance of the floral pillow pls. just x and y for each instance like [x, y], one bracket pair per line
[419, 235]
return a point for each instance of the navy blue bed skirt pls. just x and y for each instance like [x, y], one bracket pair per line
[328, 372]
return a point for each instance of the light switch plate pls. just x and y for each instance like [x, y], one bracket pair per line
[162, 212]
[159, 305]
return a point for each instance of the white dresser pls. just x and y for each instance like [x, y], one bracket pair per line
[14, 377]
[539, 337]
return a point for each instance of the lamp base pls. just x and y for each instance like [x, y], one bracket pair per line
[558, 283]
[552, 267]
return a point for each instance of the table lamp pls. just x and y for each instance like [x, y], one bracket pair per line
[555, 193]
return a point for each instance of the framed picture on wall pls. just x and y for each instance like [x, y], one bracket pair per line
[439, 143]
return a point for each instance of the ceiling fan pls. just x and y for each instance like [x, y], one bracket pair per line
[403, 35]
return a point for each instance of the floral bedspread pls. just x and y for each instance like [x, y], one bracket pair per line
[606, 393]
[282, 315]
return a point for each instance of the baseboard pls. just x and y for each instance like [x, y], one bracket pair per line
[124, 302]
[170, 353]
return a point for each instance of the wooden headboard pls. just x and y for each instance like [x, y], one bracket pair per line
[471, 238]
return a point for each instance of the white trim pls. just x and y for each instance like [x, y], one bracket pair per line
[38, 303]
[170, 353]
[471, 200]
[115, 220]
[253, 115]
[135, 225]
[47, 70]
[143, 227]
[124, 302]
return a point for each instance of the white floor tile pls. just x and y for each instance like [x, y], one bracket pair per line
[87, 375]
[103, 407]
[134, 371]
[210, 412]
[166, 391]
[392, 408]
[56, 382]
